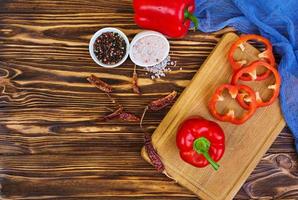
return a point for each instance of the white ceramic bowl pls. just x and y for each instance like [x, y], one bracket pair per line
[96, 35]
[145, 34]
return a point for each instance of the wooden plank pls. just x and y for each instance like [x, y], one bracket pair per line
[245, 144]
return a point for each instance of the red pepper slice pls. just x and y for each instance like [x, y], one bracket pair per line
[170, 17]
[200, 142]
[234, 91]
[251, 70]
[267, 55]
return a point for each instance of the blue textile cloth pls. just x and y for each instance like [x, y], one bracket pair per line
[276, 20]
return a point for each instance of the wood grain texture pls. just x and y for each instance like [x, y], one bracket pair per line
[51, 144]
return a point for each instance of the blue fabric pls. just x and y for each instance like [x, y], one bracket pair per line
[276, 20]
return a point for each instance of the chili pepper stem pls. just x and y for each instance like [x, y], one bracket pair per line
[191, 17]
[143, 116]
[202, 146]
[109, 109]
[111, 98]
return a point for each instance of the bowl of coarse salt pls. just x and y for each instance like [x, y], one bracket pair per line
[149, 48]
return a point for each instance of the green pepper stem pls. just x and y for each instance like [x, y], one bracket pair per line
[202, 146]
[191, 17]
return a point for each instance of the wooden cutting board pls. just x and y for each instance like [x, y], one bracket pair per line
[245, 144]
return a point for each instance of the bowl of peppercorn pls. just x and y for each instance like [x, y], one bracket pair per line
[109, 47]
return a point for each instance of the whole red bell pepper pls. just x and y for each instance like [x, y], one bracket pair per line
[170, 17]
[200, 142]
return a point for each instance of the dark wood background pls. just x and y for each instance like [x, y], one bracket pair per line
[52, 144]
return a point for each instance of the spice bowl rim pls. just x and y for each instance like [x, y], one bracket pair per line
[141, 35]
[100, 32]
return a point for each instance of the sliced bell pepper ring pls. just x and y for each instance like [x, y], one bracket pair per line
[251, 70]
[266, 55]
[234, 91]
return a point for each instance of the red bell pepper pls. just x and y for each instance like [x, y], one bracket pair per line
[200, 142]
[235, 91]
[266, 55]
[170, 17]
[251, 70]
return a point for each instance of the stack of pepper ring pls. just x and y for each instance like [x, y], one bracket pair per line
[247, 98]
[266, 55]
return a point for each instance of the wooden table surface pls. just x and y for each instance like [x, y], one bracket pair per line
[52, 145]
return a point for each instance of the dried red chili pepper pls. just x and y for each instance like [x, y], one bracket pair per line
[267, 55]
[135, 87]
[159, 104]
[153, 156]
[121, 115]
[251, 70]
[163, 102]
[94, 80]
[129, 117]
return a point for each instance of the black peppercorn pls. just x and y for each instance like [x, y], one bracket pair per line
[110, 48]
